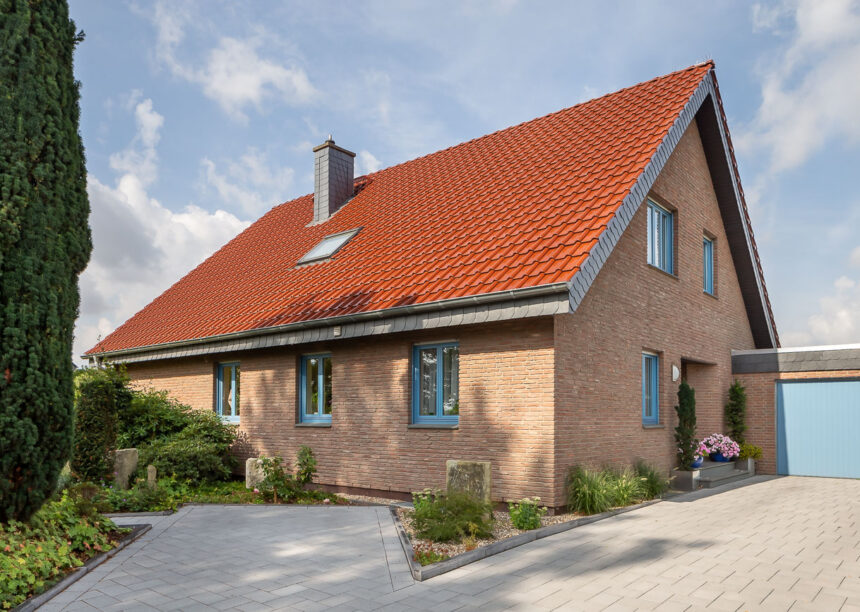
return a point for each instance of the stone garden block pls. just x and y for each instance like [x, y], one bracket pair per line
[253, 472]
[151, 476]
[472, 477]
[125, 465]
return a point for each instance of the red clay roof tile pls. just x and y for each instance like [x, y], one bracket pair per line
[521, 207]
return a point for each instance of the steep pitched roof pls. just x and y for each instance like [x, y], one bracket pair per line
[525, 207]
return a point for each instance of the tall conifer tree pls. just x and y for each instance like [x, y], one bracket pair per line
[44, 245]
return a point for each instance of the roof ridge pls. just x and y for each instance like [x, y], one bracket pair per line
[709, 63]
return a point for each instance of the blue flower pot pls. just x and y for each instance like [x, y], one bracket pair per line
[718, 457]
[697, 463]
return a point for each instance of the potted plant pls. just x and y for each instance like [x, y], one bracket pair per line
[721, 448]
[699, 456]
[746, 459]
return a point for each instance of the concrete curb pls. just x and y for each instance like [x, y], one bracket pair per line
[39, 600]
[425, 572]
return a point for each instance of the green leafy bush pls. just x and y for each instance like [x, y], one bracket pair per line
[736, 412]
[750, 451]
[34, 555]
[277, 483]
[306, 466]
[447, 517]
[625, 487]
[421, 499]
[588, 491]
[189, 445]
[654, 482]
[685, 432]
[100, 394]
[526, 513]
[150, 416]
[188, 459]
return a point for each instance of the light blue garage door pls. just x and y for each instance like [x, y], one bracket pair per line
[818, 428]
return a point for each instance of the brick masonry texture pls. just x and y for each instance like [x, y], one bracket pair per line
[633, 307]
[536, 396]
[506, 411]
[761, 408]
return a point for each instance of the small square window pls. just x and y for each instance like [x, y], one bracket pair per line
[227, 392]
[661, 237]
[315, 394]
[436, 383]
[328, 246]
[708, 264]
[650, 389]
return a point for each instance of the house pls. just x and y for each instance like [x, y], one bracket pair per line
[530, 298]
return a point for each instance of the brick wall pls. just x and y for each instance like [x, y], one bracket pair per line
[633, 307]
[761, 408]
[506, 408]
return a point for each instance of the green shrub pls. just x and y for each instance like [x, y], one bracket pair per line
[166, 495]
[306, 466]
[685, 432]
[277, 484]
[736, 412]
[750, 451]
[33, 555]
[188, 459]
[587, 491]
[100, 394]
[149, 416]
[453, 516]
[526, 513]
[421, 499]
[189, 445]
[654, 482]
[624, 487]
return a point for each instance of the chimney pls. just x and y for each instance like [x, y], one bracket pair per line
[334, 169]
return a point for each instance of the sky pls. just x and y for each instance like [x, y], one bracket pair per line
[198, 117]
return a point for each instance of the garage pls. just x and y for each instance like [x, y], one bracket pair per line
[818, 428]
[803, 408]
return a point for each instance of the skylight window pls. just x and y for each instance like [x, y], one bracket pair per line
[328, 246]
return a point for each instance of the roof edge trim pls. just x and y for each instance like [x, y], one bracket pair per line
[584, 277]
[520, 303]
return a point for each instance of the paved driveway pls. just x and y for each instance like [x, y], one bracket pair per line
[772, 545]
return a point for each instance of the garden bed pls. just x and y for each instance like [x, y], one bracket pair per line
[505, 537]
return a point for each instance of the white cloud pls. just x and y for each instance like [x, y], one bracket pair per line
[250, 183]
[837, 320]
[140, 246]
[855, 257]
[810, 94]
[366, 163]
[234, 74]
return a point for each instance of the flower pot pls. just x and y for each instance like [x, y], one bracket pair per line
[697, 463]
[719, 458]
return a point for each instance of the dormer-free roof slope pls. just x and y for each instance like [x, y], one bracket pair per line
[535, 205]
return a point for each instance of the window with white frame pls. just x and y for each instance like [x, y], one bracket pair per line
[661, 237]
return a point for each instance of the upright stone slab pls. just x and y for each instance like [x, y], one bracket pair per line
[253, 472]
[125, 465]
[151, 476]
[472, 477]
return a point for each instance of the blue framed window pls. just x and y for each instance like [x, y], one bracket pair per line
[436, 383]
[650, 389]
[227, 392]
[708, 259]
[661, 237]
[315, 394]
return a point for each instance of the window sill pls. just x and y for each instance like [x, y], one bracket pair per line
[662, 271]
[433, 426]
[326, 425]
[710, 295]
[653, 426]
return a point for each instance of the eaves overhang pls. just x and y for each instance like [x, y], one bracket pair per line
[544, 300]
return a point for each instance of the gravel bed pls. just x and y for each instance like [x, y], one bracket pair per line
[502, 529]
[366, 499]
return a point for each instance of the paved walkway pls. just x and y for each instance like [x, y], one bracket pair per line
[772, 545]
